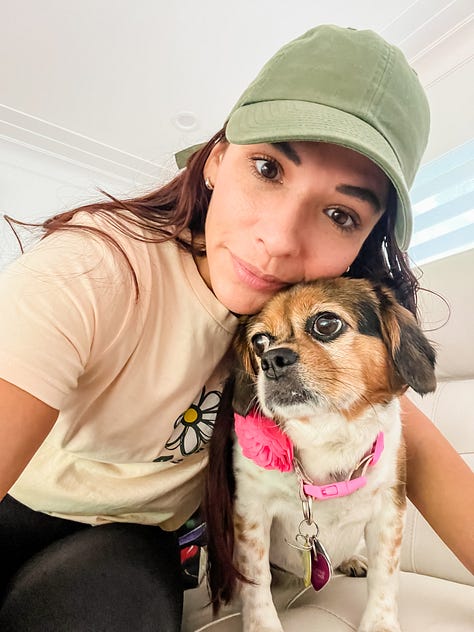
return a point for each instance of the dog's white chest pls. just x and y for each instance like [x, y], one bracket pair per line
[338, 523]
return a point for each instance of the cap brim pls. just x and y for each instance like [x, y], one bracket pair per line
[278, 121]
[181, 157]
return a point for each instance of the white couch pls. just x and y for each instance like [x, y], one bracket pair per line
[436, 590]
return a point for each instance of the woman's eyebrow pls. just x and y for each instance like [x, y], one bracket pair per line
[361, 193]
[289, 152]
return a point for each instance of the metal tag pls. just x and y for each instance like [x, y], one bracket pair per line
[321, 567]
[307, 567]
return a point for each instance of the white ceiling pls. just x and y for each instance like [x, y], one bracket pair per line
[102, 82]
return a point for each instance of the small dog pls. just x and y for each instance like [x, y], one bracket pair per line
[316, 449]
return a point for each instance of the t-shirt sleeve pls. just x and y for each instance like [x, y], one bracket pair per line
[60, 304]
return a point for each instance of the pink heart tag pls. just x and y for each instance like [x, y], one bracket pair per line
[321, 567]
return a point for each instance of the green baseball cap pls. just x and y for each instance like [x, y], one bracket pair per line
[344, 86]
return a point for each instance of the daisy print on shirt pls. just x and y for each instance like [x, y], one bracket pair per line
[193, 428]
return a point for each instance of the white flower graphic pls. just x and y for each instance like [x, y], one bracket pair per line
[193, 428]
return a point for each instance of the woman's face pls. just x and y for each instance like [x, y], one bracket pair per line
[284, 213]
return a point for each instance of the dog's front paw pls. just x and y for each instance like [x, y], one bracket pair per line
[381, 627]
[254, 623]
[259, 626]
[356, 566]
[380, 624]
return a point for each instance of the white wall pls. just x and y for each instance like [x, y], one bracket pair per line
[35, 185]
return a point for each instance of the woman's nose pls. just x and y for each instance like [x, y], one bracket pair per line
[281, 233]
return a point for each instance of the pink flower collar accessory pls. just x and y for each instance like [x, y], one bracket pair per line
[262, 441]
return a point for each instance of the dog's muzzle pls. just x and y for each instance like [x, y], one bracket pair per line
[275, 362]
[282, 388]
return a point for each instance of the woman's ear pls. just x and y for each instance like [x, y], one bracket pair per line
[213, 162]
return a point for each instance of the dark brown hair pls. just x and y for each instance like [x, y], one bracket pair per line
[182, 204]
[381, 260]
[218, 505]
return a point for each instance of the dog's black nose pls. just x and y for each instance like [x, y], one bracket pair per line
[275, 362]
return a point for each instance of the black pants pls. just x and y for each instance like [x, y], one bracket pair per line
[62, 576]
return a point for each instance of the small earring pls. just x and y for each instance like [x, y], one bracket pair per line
[208, 184]
[348, 269]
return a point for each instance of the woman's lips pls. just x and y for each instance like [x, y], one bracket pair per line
[256, 279]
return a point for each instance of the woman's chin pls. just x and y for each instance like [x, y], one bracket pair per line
[242, 303]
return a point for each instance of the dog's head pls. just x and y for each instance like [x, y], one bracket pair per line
[330, 345]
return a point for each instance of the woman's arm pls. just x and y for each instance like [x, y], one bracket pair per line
[24, 423]
[439, 483]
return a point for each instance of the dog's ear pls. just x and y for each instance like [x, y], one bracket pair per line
[245, 390]
[412, 354]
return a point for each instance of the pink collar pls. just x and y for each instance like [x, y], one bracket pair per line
[263, 442]
[344, 488]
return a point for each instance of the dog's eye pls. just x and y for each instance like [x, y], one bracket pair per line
[260, 343]
[325, 326]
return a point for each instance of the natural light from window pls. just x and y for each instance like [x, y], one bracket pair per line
[443, 206]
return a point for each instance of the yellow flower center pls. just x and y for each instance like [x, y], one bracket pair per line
[190, 415]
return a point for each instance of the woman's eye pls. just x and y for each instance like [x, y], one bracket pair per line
[260, 343]
[266, 168]
[342, 218]
[326, 326]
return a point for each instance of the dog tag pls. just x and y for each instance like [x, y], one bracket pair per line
[307, 566]
[321, 567]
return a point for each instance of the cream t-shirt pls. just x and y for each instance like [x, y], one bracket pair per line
[137, 382]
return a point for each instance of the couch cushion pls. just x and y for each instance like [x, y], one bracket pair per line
[451, 408]
[426, 603]
[446, 309]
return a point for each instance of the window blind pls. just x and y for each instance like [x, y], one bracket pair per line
[443, 206]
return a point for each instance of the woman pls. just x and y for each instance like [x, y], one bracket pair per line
[115, 327]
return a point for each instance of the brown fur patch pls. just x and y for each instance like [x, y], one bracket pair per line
[366, 362]
[354, 370]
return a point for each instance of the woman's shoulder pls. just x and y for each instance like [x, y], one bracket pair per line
[102, 245]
